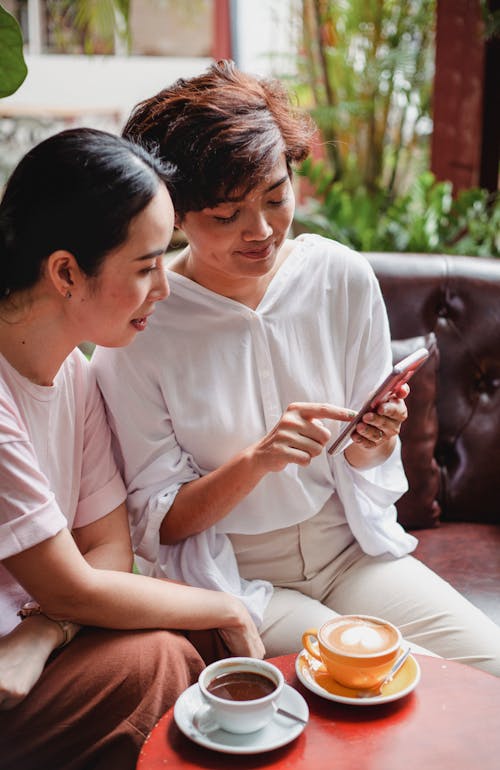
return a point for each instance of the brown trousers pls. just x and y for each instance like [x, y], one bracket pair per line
[98, 699]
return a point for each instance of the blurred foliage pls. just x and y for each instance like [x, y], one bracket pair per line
[366, 73]
[426, 218]
[491, 19]
[88, 26]
[95, 26]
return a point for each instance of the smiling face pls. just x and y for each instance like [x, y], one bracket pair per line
[117, 302]
[239, 241]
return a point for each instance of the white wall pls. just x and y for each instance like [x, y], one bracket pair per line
[93, 86]
[80, 85]
[100, 91]
[265, 35]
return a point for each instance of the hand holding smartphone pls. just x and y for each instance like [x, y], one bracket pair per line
[401, 373]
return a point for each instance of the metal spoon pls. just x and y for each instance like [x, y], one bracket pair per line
[377, 690]
[291, 716]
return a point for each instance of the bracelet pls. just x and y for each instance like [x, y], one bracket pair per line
[68, 628]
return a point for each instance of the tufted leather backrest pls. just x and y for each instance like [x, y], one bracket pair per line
[459, 299]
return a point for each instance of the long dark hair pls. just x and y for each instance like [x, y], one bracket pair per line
[78, 191]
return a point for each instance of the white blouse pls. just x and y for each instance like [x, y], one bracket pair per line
[210, 376]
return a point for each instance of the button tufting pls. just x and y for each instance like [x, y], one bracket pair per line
[485, 384]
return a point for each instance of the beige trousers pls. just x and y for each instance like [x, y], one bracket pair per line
[314, 581]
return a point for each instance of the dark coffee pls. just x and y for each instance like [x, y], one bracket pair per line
[241, 685]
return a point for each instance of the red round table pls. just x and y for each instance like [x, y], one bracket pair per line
[451, 720]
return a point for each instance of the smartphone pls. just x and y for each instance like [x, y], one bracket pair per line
[401, 373]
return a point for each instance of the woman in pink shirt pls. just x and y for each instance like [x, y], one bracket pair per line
[85, 671]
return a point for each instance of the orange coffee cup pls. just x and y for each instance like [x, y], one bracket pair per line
[358, 651]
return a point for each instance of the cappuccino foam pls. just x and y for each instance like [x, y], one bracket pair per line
[360, 637]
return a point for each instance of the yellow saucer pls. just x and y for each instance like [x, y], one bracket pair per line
[314, 676]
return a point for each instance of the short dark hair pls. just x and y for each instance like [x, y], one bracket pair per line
[78, 190]
[223, 130]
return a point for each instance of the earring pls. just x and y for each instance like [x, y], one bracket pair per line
[67, 295]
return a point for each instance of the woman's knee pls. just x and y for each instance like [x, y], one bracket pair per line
[100, 698]
[288, 615]
[152, 658]
[130, 671]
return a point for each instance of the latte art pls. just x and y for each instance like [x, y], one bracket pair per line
[367, 638]
[360, 637]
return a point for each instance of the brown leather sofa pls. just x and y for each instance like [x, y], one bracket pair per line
[451, 440]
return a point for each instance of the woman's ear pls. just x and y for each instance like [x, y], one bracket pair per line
[63, 271]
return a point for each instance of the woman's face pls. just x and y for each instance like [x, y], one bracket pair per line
[132, 279]
[240, 239]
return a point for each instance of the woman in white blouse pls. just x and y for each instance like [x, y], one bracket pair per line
[223, 410]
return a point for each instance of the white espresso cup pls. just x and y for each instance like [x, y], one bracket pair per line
[239, 695]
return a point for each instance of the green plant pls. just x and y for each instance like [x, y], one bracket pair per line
[427, 218]
[88, 26]
[365, 74]
[491, 18]
[93, 26]
[13, 68]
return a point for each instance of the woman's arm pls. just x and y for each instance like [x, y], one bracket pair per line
[296, 438]
[24, 651]
[105, 545]
[68, 587]
[106, 542]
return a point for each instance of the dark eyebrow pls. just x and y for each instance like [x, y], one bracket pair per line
[278, 183]
[242, 197]
[152, 255]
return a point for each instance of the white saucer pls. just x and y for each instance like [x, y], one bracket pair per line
[280, 731]
[314, 676]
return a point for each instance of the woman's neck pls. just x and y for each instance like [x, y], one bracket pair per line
[33, 342]
[245, 289]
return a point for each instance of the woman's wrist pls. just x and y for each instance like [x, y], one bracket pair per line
[58, 633]
[234, 611]
[363, 458]
[39, 630]
[257, 462]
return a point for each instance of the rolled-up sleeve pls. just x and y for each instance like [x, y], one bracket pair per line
[29, 512]
[369, 495]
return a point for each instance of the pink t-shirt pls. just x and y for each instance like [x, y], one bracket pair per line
[56, 464]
